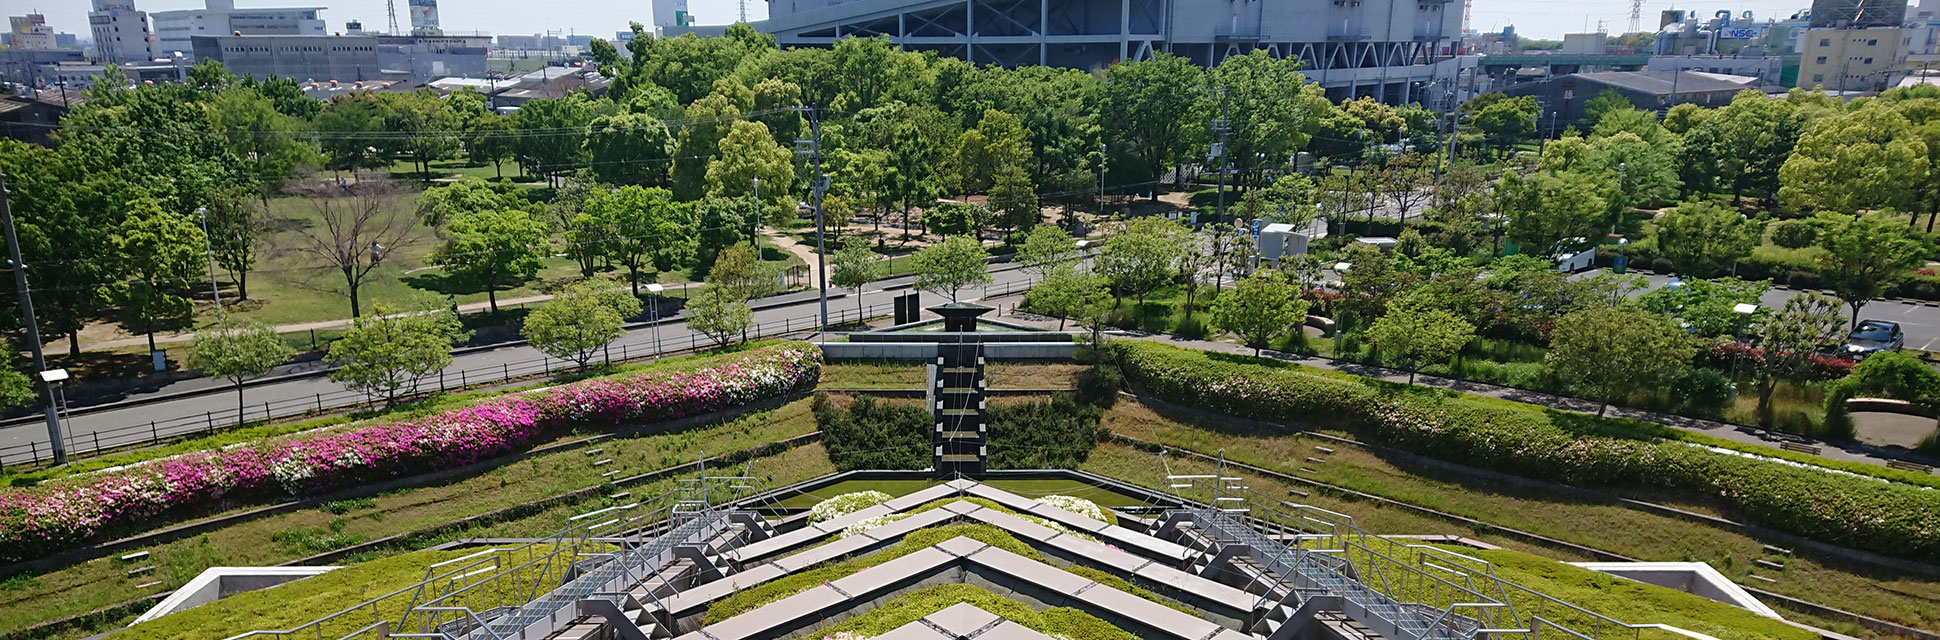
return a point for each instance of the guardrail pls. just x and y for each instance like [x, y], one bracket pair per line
[101, 441]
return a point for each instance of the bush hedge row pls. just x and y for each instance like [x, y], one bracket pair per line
[1859, 512]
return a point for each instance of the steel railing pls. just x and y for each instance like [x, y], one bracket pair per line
[102, 441]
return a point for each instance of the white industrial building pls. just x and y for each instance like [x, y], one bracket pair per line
[121, 33]
[1387, 49]
[173, 29]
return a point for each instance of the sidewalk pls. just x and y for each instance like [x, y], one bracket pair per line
[1724, 430]
[284, 328]
[807, 254]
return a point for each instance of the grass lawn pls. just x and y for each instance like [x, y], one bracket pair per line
[1882, 592]
[1634, 602]
[31, 599]
[302, 601]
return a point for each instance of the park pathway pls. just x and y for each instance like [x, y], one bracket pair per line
[806, 253]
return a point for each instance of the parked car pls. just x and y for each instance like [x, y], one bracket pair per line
[1874, 336]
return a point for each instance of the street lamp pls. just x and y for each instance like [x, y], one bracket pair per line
[55, 395]
[653, 316]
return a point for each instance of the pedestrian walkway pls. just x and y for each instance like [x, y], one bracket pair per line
[806, 253]
[300, 327]
[1723, 430]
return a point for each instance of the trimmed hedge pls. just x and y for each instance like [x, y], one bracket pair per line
[1863, 513]
[872, 434]
[1058, 434]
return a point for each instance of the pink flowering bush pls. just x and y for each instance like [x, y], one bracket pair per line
[75, 511]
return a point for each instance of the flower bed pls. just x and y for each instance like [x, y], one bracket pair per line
[1865, 513]
[71, 512]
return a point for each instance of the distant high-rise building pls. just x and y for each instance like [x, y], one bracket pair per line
[30, 32]
[1857, 14]
[121, 34]
[671, 14]
[173, 29]
[424, 18]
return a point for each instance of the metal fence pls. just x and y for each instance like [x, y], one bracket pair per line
[102, 441]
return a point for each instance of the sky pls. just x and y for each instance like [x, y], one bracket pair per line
[1532, 18]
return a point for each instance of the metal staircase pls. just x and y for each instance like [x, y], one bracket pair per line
[957, 404]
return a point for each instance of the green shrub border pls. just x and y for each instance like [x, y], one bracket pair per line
[1898, 520]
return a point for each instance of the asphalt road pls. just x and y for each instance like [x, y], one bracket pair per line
[190, 414]
[1921, 323]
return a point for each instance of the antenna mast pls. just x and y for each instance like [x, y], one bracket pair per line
[392, 6]
[1636, 15]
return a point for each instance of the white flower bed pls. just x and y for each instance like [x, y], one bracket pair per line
[1078, 506]
[845, 504]
[866, 524]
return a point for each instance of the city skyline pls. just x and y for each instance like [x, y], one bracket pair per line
[602, 18]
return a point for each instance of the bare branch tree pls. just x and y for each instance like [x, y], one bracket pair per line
[353, 228]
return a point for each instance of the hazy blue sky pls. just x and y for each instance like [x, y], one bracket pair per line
[1540, 18]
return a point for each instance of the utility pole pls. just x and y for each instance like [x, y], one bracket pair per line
[1223, 126]
[1101, 181]
[54, 440]
[818, 184]
[209, 248]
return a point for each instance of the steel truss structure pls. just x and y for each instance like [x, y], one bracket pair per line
[1352, 47]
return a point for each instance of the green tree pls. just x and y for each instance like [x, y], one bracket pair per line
[1787, 339]
[1416, 332]
[546, 142]
[1015, 200]
[1704, 239]
[1065, 292]
[956, 218]
[273, 144]
[488, 139]
[1605, 102]
[425, 122]
[1141, 259]
[161, 253]
[708, 121]
[493, 250]
[1503, 121]
[237, 226]
[1371, 281]
[1155, 107]
[739, 271]
[1546, 209]
[355, 123]
[948, 266]
[630, 149]
[1046, 247]
[719, 314]
[1866, 158]
[1261, 308]
[237, 351]
[1708, 307]
[468, 195]
[1863, 255]
[1273, 110]
[748, 154]
[388, 353]
[647, 231]
[580, 322]
[1653, 350]
[854, 266]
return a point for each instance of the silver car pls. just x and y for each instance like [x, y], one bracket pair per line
[1874, 336]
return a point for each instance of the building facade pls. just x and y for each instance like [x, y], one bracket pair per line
[1851, 59]
[422, 58]
[305, 58]
[174, 29]
[30, 32]
[121, 34]
[1387, 49]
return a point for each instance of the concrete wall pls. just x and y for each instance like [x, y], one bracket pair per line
[216, 583]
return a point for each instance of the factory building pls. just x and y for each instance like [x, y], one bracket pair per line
[307, 58]
[173, 29]
[121, 33]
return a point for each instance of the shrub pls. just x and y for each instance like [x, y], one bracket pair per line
[63, 514]
[1058, 434]
[873, 434]
[1702, 391]
[1795, 234]
[1844, 509]
[1099, 385]
[845, 504]
[1079, 506]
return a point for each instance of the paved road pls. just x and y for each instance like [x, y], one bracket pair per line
[190, 414]
[1920, 322]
